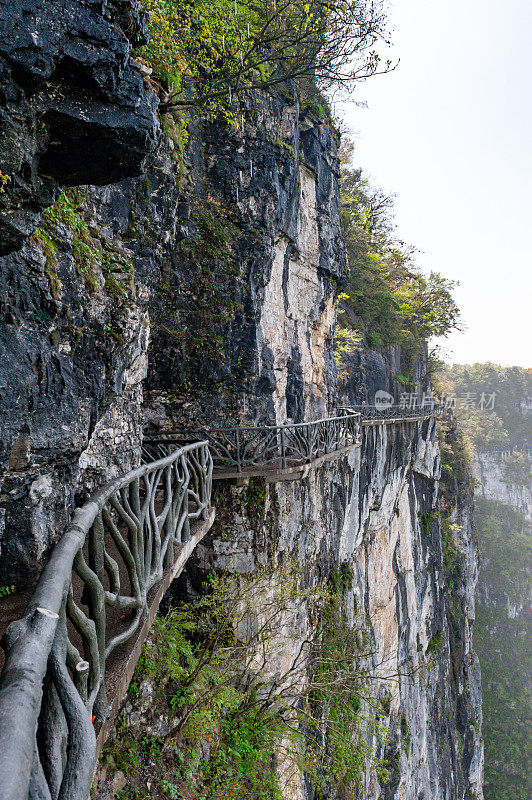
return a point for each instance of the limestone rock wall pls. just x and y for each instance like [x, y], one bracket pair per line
[74, 109]
[368, 510]
[495, 482]
[273, 181]
[228, 255]
[74, 356]
[366, 371]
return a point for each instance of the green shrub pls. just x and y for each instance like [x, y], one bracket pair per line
[435, 643]
[205, 52]
[90, 255]
[386, 293]
[425, 523]
[230, 717]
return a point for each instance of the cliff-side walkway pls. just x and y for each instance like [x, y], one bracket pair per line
[70, 656]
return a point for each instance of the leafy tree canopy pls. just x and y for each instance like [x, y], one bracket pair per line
[204, 52]
[509, 423]
[387, 298]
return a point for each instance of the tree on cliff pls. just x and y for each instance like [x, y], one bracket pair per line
[387, 299]
[204, 52]
[273, 700]
[508, 423]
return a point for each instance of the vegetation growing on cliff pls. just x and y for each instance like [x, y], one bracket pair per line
[505, 425]
[387, 299]
[191, 318]
[502, 632]
[91, 254]
[234, 713]
[205, 52]
[503, 642]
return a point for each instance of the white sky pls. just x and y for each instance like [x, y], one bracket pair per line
[450, 132]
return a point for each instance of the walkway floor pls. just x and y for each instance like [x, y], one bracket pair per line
[274, 472]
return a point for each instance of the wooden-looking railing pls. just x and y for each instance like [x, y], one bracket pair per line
[273, 446]
[95, 590]
[90, 600]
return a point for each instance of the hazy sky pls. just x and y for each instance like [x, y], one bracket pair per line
[450, 132]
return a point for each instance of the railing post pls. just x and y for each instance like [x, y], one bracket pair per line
[238, 455]
[283, 448]
[96, 604]
[185, 530]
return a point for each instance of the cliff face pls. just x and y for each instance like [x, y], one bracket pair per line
[502, 635]
[74, 108]
[365, 371]
[370, 511]
[241, 319]
[203, 292]
[506, 477]
[254, 293]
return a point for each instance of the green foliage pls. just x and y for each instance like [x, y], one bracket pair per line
[406, 738]
[425, 523]
[386, 296]
[91, 255]
[434, 645]
[339, 688]
[204, 52]
[448, 530]
[230, 716]
[341, 577]
[457, 458]
[194, 316]
[505, 540]
[503, 642]
[255, 497]
[509, 422]
[5, 591]
[196, 664]
[346, 341]
[132, 793]
[450, 549]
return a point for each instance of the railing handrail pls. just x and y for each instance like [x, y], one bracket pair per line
[31, 651]
[33, 648]
[394, 412]
[44, 594]
[350, 411]
[254, 448]
[219, 429]
[272, 447]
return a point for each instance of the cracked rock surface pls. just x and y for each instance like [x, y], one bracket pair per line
[74, 107]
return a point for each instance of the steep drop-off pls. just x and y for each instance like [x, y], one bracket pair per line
[503, 634]
[502, 522]
[201, 292]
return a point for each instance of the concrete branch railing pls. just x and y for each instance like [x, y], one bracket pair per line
[95, 590]
[89, 601]
[274, 446]
[395, 413]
